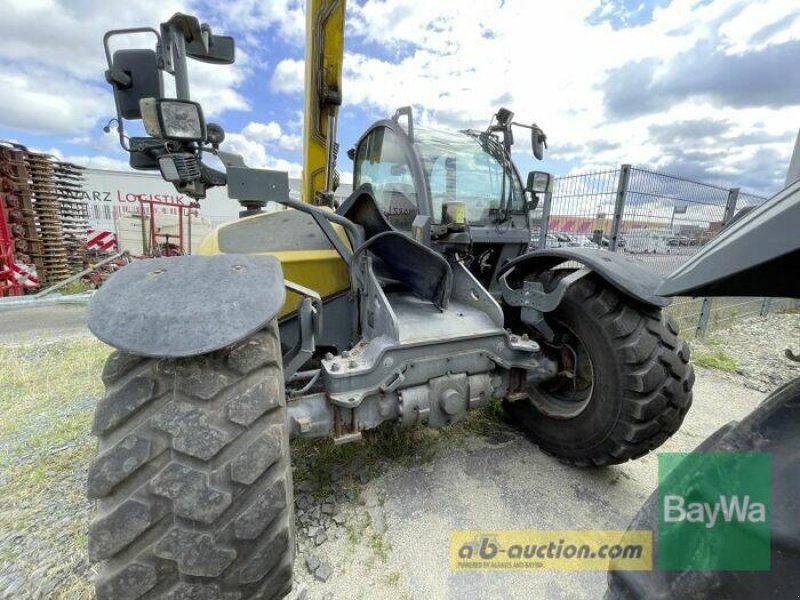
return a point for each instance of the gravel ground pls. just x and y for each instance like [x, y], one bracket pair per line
[373, 519]
[758, 348]
[391, 536]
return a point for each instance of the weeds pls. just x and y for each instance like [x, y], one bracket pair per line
[380, 546]
[75, 287]
[46, 395]
[324, 462]
[394, 578]
[715, 360]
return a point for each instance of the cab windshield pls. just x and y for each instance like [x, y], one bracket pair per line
[461, 167]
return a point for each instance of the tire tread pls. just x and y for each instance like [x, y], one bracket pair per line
[182, 480]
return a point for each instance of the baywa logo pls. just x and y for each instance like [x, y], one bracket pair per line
[714, 511]
[729, 508]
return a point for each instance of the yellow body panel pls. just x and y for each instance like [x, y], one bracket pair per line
[324, 52]
[323, 271]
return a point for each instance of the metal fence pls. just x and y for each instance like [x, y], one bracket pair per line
[660, 219]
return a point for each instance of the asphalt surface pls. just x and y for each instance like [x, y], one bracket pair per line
[43, 323]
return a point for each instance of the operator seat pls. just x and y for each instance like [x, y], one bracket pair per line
[424, 272]
[402, 210]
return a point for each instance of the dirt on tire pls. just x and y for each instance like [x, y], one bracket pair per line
[192, 479]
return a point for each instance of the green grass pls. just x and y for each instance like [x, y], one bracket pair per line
[317, 460]
[45, 443]
[47, 396]
[715, 360]
[394, 578]
[379, 546]
[75, 287]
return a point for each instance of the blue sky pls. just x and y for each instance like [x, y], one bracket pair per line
[707, 89]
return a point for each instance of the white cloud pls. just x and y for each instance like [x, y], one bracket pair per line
[52, 62]
[289, 76]
[216, 87]
[255, 155]
[266, 133]
[457, 63]
[287, 16]
[33, 101]
[90, 162]
[262, 132]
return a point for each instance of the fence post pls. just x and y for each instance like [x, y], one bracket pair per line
[730, 206]
[619, 205]
[705, 315]
[705, 310]
[545, 226]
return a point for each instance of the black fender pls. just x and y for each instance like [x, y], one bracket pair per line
[186, 305]
[626, 274]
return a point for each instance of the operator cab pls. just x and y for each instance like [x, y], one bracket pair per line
[463, 185]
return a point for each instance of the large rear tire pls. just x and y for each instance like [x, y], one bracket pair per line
[192, 478]
[631, 383]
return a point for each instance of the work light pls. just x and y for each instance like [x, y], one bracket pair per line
[538, 182]
[173, 119]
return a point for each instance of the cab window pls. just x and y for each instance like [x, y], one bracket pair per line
[381, 160]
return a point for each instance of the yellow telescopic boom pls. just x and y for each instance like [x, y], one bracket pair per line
[323, 95]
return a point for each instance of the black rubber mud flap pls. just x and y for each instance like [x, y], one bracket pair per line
[773, 428]
[187, 305]
[628, 275]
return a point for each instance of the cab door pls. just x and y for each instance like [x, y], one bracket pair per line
[384, 159]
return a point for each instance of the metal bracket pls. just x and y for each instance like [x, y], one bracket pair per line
[310, 321]
[535, 302]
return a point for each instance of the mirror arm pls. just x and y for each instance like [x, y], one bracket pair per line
[210, 176]
[113, 32]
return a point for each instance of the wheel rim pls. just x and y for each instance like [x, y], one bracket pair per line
[569, 393]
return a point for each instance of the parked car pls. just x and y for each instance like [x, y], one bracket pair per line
[552, 241]
[605, 242]
[581, 241]
[646, 241]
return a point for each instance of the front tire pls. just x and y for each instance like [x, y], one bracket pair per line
[632, 384]
[192, 478]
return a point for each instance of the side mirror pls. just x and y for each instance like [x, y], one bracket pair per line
[538, 141]
[142, 161]
[134, 75]
[538, 182]
[221, 50]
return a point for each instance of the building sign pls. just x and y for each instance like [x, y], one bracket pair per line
[114, 194]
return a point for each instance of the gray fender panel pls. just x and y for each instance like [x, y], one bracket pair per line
[186, 305]
[626, 274]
